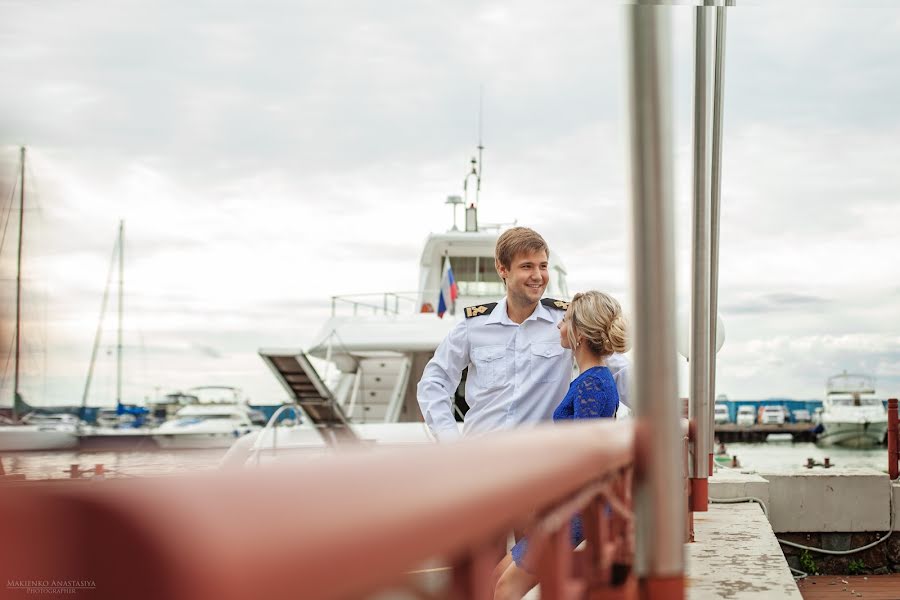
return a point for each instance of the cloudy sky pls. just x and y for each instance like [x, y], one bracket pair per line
[265, 158]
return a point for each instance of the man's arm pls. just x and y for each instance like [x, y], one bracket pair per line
[620, 367]
[440, 379]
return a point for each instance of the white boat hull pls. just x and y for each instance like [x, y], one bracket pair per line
[196, 441]
[99, 437]
[289, 442]
[853, 435]
[23, 438]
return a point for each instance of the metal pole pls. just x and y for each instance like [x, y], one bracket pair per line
[715, 204]
[892, 435]
[659, 506]
[700, 410]
[15, 411]
[119, 329]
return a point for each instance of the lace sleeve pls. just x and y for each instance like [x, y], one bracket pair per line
[596, 398]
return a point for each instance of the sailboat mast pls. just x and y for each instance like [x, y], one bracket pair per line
[119, 338]
[19, 281]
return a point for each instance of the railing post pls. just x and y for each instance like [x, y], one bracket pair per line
[659, 505]
[893, 438]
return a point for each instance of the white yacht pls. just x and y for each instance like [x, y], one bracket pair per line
[205, 426]
[851, 415]
[375, 346]
[215, 418]
[40, 432]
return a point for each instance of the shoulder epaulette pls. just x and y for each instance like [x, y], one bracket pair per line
[481, 309]
[557, 304]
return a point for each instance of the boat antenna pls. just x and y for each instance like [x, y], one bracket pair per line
[19, 283]
[480, 144]
[477, 164]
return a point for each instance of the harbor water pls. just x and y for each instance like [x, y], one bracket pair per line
[132, 463]
[766, 457]
[773, 457]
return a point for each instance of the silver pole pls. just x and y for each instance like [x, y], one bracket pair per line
[659, 503]
[716, 202]
[700, 410]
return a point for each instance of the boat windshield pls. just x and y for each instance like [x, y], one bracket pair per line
[192, 420]
[844, 401]
[476, 276]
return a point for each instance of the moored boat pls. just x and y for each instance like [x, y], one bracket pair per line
[40, 432]
[205, 426]
[851, 415]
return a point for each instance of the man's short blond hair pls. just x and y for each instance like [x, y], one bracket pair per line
[518, 240]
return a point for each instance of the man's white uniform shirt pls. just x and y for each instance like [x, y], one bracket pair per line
[518, 373]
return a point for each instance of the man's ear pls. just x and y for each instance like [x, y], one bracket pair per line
[501, 270]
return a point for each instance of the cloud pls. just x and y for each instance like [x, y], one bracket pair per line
[767, 303]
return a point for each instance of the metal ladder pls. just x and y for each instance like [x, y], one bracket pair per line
[301, 381]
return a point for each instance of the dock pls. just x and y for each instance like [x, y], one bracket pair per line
[731, 432]
[735, 555]
[833, 587]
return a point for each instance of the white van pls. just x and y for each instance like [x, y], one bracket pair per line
[721, 414]
[746, 415]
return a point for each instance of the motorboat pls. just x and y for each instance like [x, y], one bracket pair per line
[205, 426]
[37, 431]
[851, 415]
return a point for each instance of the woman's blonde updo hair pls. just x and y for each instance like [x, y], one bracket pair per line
[598, 318]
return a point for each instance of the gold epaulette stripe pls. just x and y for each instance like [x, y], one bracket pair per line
[482, 309]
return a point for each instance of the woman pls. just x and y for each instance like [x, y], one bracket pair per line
[593, 328]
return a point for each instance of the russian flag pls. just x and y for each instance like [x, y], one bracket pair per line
[449, 291]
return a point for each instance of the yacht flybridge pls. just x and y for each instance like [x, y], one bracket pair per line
[376, 346]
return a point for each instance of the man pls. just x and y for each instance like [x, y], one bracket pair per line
[518, 371]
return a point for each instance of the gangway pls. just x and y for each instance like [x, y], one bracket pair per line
[299, 378]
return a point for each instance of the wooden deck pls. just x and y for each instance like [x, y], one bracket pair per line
[868, 587]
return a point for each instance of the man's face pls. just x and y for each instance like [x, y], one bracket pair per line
[527, 277]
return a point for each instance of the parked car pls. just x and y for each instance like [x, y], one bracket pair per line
[801, 415]
[773, 415]
[721, 414]
[746, 415]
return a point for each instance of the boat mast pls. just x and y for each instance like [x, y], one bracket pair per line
[119, 335]
[103, 303]
[19, 281]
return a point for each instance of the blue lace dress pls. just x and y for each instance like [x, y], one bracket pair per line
[593, 395]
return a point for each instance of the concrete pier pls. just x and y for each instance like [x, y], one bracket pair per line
[736, 557]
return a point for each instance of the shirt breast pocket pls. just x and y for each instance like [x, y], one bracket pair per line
[546, 361]
[490, 365]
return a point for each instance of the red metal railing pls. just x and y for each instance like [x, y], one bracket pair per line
[893, 440]
[343, 526]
